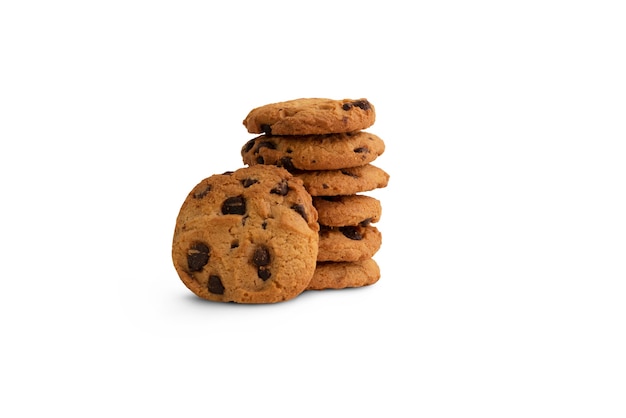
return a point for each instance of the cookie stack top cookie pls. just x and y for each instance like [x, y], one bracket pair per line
[311, 116]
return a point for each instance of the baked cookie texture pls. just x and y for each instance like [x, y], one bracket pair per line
[346, 181]
[296, 217]
[348, 243]
[323, 142]
[308, 116]
[347, 210]
[247, 236]
[314, 152]
[341, 275]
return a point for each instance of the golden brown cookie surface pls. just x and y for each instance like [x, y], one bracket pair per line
[346, 181]
[307, 116]
[248, 236]
[347, 210]
[340, 275]
[314, 152]
[348, 243]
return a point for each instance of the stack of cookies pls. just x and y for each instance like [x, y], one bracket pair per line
[322, 142]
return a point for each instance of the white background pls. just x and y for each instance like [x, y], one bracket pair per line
[504, 235]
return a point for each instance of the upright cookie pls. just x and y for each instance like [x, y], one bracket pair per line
[348, 243]
[340, 275]
[314, 152]
[248, 236]
[308, 116]
[345, 181]
[347, 210]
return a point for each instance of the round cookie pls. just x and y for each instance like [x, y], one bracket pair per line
[347, 210]
[308, 116]
[348, 243]
[314, 152]
[345, 181]
[340, 275]
[248, 236]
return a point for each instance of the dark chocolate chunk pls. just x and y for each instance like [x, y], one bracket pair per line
[267, 129]
[261, 256]
[198, 256]
[247, 182]
[264, 273]
[234, 206]
[286, 163]
[265, 144]
[349, 173]
[351, 232]
[300, 210]
[363, 150]
[365, 222]
[215, 285]
[362, 104]
[203, 192]
[281, 188]
[249, 145]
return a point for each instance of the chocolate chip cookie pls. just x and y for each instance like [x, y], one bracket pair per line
[347, 210]
[348, 243]
[340, 275]
[308, 116]
[314, 152]
[248, 236]
[345, 181]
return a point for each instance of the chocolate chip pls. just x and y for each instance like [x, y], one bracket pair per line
[247, 182]
[265, 144]
[301, 211]
[346, 106]
[289, 151]
[260, 160]
[351, 232]
[261, 256]
[227, 173]
[264, 273]
[363, 104]
[287, 163]
[281, 188]
[363, 150]
[325, 186]
[215, 285]
[203, 192]
[198, 256]
[264, 224]
[266, 129]
[234, 206]
[349, 173]
[249, 145]
[234, 244]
